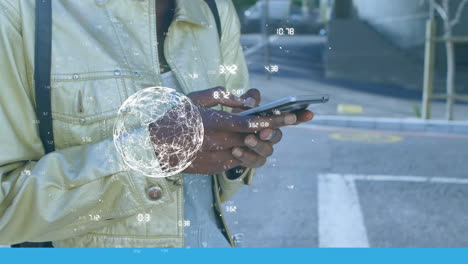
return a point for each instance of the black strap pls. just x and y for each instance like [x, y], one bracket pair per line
[42, 66]
[214, 10]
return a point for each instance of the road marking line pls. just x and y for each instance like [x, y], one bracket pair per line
[326, 128]
[340, 217]
[394, 178]
[349, 109]
[365, 137]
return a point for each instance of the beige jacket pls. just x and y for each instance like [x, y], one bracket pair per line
[82, 195]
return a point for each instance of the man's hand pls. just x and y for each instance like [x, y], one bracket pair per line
[259, 146]
[231, 140]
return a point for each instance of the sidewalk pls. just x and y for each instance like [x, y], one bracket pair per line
[301, 72]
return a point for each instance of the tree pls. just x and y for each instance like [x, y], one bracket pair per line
[443, 8]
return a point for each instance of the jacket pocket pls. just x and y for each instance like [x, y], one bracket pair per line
[84, 106]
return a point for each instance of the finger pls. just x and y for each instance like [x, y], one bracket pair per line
[220, 157]
[214, 157]
[217, 120]
[213, 162]
[217, 96]
[230, 164]
[222, 160]
[272, 135]
[304, 116]
[249, 124]
[208, 168]
[222, 140]
[248, 158]
[262, 148]
[255, 97]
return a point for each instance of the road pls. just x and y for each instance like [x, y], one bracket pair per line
[339, 187]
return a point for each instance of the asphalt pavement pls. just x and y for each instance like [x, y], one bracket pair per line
[328, 186]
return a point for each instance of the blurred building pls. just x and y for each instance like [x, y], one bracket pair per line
[383, 41]
[303, 15]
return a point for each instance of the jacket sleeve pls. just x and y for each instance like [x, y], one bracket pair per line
[65, 193]
[231, 50]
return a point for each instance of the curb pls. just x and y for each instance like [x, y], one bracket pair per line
[394, 124]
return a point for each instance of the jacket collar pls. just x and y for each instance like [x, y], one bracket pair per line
[191, 11]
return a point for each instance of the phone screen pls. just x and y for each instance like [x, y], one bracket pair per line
[287, 105]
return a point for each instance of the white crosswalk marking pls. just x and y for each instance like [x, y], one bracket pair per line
[340, 218]
[341, 221]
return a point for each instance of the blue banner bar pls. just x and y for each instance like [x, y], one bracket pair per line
[237, 256]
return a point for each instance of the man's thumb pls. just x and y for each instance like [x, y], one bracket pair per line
[217, 96]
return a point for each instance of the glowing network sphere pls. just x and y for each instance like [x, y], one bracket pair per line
[175, 121]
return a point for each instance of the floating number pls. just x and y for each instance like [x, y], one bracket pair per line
[143, 217]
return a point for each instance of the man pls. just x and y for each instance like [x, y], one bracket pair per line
[103, 51]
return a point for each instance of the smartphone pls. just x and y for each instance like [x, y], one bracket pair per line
[287, 105]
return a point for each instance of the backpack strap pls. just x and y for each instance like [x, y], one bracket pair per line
[42, 65]
[214, 10]
[42, 69]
